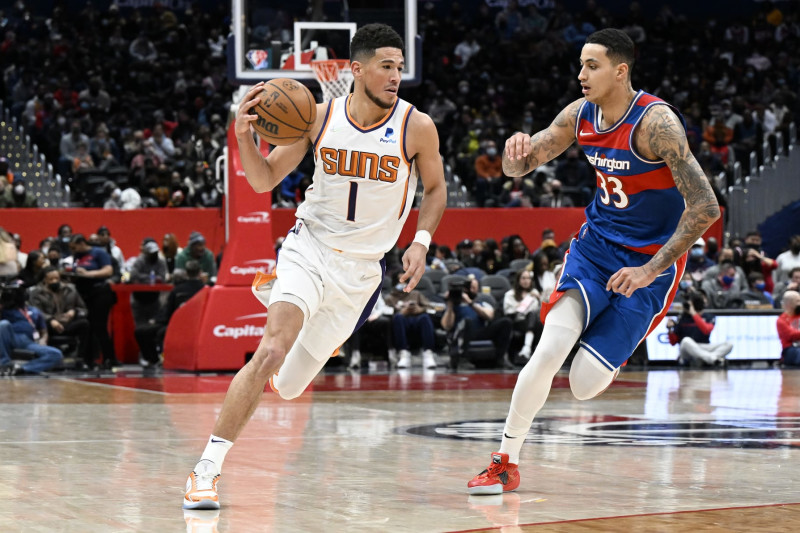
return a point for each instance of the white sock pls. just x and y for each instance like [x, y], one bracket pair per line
[529, 339]
[562, 330]
[215, 451]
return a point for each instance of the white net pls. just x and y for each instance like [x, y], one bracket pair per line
[335, 77]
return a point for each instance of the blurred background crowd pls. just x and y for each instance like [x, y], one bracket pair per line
[137, 103]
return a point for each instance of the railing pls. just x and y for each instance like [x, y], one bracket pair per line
[31, 166]
[768, 188]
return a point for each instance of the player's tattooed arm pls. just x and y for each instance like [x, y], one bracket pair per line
[665, 138]
[524, 153]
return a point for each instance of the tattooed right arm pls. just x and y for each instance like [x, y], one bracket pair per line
[523, 153]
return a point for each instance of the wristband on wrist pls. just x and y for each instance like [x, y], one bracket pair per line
[424, 238]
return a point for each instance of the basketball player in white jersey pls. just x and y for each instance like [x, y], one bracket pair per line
[369, 147]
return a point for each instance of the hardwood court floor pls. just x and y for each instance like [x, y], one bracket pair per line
[663, 450]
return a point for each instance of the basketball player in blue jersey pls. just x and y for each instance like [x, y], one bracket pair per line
[369, 148]
[624, 266]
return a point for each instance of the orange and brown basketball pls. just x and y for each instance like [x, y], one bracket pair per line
[286, 112]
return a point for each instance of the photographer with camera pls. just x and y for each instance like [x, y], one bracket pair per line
[789, 329]
[693, 330]
[24, 328]
[464, 303]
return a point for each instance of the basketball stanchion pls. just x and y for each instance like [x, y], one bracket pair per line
[334, 76]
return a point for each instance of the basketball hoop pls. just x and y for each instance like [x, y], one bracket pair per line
[335, 77]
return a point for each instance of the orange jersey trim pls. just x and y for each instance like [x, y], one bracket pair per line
[405, 199]
[324, 128]
[378, 124]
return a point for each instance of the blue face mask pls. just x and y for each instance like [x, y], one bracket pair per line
[727, 280]
[760, 286]
[696, 253]
[400, 286]
[684, 285]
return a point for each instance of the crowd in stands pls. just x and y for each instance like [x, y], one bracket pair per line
[58, 297]
[510, 281]
[491, 71]
[142, 99]
[480, 291]
[136, 103]
[130, 108]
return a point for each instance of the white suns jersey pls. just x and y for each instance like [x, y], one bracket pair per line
[364, 182]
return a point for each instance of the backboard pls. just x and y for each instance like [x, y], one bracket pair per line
[276, 38]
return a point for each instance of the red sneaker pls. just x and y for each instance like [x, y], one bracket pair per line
[500, 477]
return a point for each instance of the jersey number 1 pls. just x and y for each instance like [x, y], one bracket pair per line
[351, 201]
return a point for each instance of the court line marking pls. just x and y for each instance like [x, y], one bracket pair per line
[665, 513]
[165, 439]
[108, 385]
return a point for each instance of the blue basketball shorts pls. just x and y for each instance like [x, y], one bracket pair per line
[614, 325]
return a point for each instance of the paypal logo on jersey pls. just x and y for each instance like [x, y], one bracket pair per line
[386, 139]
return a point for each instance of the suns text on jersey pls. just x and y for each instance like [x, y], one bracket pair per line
[356, 164]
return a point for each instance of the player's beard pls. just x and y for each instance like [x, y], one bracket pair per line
[378, 102]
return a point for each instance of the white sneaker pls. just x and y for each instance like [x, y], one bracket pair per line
[405, 359]
[355, 360]
[428, 359]
[201, 487]
[525, 352]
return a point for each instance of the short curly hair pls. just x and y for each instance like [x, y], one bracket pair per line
[371, 37]
[619, 46]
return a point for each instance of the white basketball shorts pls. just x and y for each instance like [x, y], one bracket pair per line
[339, 292]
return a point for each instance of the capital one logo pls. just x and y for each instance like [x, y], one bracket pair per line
[256, 265]
[254, 217]
[235, 332]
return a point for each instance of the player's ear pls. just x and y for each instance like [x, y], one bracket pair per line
[622, 71]
[356, 68]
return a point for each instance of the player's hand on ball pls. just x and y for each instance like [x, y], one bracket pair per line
[626, 280]
[243, 115]
[518, 146]
[413, 265]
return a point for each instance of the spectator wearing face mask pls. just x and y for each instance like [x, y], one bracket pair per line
[698, 262]
[756, 296]
[61, 240]
[147, 268]
[722, 289]
[728, 255]
[489, 176]
[64, 311]
[755, 260]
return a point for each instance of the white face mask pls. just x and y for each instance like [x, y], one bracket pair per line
[19, 190]
[491, 152]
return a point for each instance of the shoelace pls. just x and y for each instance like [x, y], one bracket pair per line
[205, 480]
[493, 470]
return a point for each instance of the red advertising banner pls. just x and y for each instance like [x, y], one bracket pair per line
[220, 327]
[216, 330]
[248, 223]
